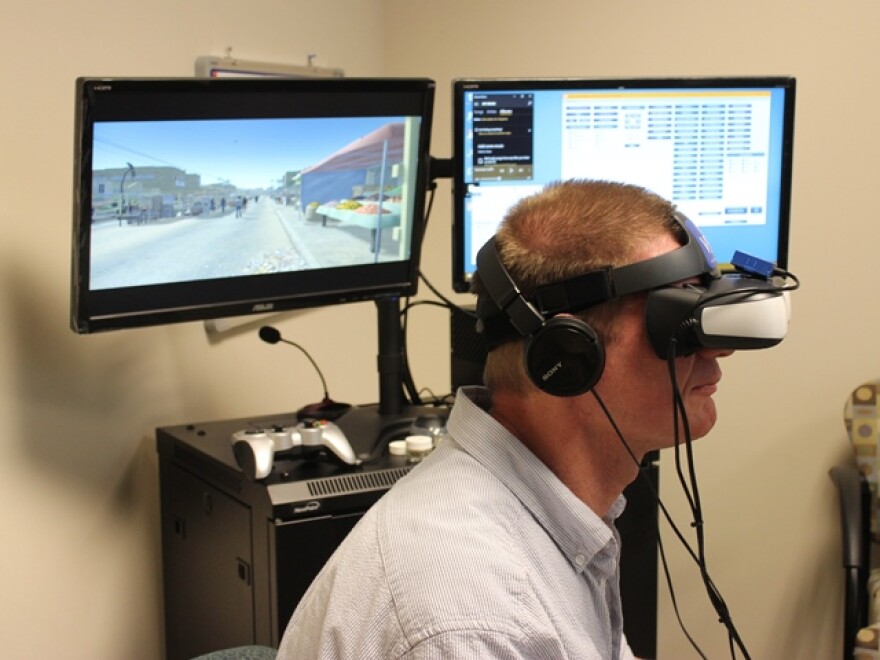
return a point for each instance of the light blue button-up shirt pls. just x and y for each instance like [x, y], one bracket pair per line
[479, 552]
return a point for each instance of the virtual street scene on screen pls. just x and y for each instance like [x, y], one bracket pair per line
[176, 201]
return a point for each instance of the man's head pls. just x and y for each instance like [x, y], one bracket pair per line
[569, 229]
[582, 230]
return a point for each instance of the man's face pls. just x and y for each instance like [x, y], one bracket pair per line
[636, 385]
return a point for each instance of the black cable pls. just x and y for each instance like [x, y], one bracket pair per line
[446, 301]
[435, 400]
[408, 383]
[666, 515]
[794, 286]
[680, 415]
[650, 486]
[444, 401]
[410, 389]
[434, 303]
[396, 430]
[672, 597]
[692, 492]
[715, 597]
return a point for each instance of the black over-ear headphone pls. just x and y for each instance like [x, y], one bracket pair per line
[564, 355]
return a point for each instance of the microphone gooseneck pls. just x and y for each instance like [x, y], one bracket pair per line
[271, 335]
[327, 407]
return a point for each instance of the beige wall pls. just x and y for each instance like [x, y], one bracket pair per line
[80, 571]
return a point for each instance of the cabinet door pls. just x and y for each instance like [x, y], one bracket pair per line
[206, 541]
[301, 550]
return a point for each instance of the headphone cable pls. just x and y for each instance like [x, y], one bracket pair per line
[666, 515]
[692, 492]
[697, 556]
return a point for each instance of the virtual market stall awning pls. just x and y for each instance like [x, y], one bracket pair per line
[361, 170]
[338, 176]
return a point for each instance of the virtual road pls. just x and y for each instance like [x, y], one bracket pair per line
[207, 247]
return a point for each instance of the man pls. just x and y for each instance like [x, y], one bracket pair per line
[501, 544]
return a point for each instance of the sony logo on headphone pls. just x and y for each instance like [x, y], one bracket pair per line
[551, 371]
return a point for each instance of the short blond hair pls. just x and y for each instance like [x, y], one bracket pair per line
[570, 228]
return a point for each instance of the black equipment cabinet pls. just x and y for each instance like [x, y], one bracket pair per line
[239, 554]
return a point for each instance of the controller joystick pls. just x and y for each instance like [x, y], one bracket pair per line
[284, 438]
[320, 432]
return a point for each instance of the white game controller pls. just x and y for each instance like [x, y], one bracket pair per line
[255, 449]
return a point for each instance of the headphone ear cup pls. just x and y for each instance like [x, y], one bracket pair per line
[565, 357]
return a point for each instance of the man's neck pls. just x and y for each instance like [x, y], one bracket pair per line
[574, 439]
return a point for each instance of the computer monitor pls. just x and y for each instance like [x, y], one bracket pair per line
[198, 199]
[719, 148]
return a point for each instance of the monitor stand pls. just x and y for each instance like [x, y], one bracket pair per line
[374, 426]
[390, 359]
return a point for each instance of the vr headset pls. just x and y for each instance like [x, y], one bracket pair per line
[748, 309]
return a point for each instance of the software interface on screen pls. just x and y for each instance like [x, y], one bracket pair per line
[716, 153]
[189, 200]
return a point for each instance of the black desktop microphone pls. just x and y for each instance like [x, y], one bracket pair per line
[327, 408]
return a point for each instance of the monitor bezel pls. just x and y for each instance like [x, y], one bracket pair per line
[461, 278]
[194, 98]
